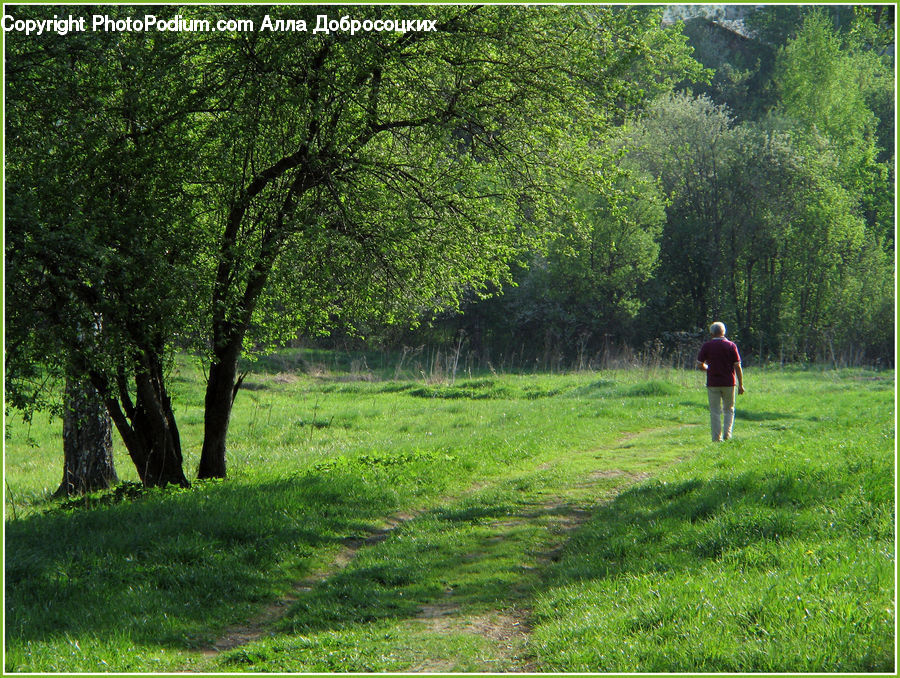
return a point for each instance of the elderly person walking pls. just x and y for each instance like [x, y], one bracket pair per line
[720, 359]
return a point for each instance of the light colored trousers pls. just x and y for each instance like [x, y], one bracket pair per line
[721, 398]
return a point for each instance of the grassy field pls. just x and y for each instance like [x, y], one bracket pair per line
[375, 521]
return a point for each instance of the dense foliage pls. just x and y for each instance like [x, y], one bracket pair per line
[569, 178]
[772, 209]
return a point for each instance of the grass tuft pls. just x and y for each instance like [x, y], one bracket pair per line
[652, 388]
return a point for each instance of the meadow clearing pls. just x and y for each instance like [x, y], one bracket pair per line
[376, 520]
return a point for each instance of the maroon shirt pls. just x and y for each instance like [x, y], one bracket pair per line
[720, 355]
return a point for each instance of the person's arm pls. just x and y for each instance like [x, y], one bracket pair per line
[740, 377]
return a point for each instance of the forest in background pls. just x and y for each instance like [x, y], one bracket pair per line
[760, 193]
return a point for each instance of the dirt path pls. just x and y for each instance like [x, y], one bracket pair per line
[508, 629]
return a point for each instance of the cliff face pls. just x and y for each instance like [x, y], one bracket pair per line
[713, 12]
[728, 17]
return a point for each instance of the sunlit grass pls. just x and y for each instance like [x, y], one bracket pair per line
[772, 553]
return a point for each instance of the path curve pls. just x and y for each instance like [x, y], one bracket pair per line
[509, 628]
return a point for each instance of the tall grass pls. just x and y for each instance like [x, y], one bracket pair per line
[513, 493]
[774, 552]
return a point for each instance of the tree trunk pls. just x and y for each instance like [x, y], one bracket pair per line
[228, 332]
[228, 337]
[87, 442]
[154, 423]
[148, 427]
[216, 418]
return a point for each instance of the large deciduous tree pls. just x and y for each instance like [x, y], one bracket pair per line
[385, 173]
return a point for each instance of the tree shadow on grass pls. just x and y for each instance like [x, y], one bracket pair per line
[742, 411]
[172, 567]
[471, 557]
[753, 415]
[660, 527]
[736, 548]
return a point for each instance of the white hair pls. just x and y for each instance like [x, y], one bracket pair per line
[717, 329]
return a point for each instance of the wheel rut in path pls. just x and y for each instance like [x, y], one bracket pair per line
[260, 625]
[507, 628]
[510, 627]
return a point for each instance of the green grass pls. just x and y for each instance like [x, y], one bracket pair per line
[574, 522]
[772, 553]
